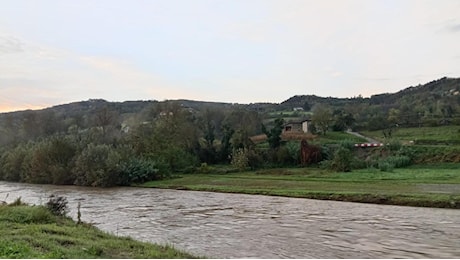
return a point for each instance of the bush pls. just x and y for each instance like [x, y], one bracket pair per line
[398, 161]
[283, 156]
[97, 165]
[393, 145]
[139, 170]
[359, 164]
[240, 159]
[17, 202]
[325, 164]
[175, 158]
[44, 161]
[347, 144]
[385, 166]
[57, 205]
[326, 153]
[294, 151]
[395, 161]
[343, 159]
[407, 151]
[204, 168]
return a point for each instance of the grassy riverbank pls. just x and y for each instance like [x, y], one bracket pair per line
[420, 185]
[33, 232]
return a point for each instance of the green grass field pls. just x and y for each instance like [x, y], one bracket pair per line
[429, 185]
[33, 232]
[422, 135]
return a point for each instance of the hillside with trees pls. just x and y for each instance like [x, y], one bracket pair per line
[433, 104]
[100, 143]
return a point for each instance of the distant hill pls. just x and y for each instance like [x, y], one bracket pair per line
[434, 103]
[444, 89]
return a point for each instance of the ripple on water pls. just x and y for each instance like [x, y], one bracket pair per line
[250, 226]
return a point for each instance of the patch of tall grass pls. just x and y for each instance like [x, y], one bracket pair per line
[35, 232]
[20, 213]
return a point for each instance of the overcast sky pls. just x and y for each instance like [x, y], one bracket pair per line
[244, 51]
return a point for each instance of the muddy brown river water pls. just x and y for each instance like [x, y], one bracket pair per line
[219, 225]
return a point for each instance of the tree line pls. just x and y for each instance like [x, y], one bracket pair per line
[99, 143]
[163, 139]
[97, 149]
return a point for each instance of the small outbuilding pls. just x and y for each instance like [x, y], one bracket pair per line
[297, 126]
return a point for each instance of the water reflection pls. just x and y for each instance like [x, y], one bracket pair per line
[248, 226]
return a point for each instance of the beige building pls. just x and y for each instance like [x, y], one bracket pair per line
[297, 126]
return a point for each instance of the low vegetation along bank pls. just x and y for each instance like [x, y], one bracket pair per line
[435, 185]
[35, 232]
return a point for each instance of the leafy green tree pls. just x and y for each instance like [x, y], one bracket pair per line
[207, 124]
[322, 118]
[342, 159]
[240, 158]
[61, 153]
[139, 170]
[306, 106]
[171, 136]
[11, 163]
[36, 164]
[376, 119]
[244, 121]
[240, 139]
[394, 116]
[30, 125]
[106, 122]
[274, 135]
[342, 120]
[48, 123]
[97, 165]
[226, 146]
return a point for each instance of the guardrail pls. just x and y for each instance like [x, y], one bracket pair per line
[369, 145]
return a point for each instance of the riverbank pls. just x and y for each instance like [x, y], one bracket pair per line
[436, 185]
[33, 232]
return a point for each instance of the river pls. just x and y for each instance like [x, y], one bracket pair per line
[218, 225]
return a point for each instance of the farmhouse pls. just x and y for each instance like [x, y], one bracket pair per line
[297, 126]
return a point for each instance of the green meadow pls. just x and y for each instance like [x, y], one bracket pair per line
[434, 185]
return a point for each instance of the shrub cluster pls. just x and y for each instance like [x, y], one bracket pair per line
[62, 160]
[57, 205]
[389, 157]
[345, 157]
[240, 159]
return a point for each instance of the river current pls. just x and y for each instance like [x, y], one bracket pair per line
[219, 225]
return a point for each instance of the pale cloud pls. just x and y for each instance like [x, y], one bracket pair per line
[9, 45]
[41, 76]
[336, 74]
[258, 31]
[131, 82]
[454, 28]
